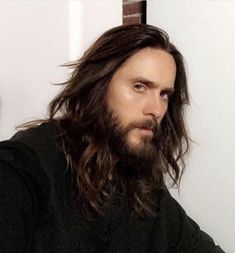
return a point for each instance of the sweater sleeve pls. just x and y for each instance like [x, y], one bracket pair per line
[184, 234]
[20, 197]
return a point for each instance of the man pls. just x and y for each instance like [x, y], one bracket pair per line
[91, 177]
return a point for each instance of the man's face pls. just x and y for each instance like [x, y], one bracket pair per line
[138, 94]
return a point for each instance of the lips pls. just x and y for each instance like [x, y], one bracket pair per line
[146, 130]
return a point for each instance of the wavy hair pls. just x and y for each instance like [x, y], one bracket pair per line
[77, 112]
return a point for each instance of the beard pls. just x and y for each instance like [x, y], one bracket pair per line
[133, 160]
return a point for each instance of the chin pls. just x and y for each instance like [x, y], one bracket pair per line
[142, 145]
[135, 145]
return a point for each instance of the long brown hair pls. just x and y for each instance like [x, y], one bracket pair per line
[76, 112]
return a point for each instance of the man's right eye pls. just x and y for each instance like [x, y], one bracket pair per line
[140, 87]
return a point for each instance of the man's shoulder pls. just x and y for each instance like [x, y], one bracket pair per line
[43, 139]
[40, 144]
[27, 154]
[40, 134]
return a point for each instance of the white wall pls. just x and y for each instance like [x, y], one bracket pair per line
[94, 18]
[204, 33]
[37, 37]
[34, 41]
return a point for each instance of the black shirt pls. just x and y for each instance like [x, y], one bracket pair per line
[38, 214]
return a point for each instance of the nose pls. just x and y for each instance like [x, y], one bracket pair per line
[155, 107]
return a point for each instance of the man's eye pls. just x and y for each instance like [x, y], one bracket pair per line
[165, 95]
[139, 87]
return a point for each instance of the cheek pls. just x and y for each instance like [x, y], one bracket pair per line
[124, 105]
[126, 114]
[116, 97]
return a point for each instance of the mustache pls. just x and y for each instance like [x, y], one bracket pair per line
[151, 124]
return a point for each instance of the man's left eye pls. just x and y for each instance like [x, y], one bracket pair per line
[165, 95]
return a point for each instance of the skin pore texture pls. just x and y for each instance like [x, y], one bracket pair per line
[139, 92]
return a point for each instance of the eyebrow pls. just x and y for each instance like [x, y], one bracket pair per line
[150, 83]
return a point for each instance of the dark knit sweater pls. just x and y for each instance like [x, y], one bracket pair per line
[38, 214]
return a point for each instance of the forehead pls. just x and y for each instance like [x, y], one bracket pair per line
[154, 64]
